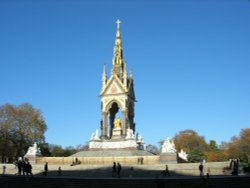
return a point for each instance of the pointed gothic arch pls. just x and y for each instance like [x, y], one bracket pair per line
[110, 103]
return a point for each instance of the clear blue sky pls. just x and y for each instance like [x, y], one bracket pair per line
[190, 59]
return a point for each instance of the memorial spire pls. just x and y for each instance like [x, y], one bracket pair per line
[117, 103]
[118, 53]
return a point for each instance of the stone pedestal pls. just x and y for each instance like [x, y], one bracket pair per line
[32, 153]
[116, 133]
[168, 158]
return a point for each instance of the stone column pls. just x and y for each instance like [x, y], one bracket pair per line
[132, 122]
[124, 123]
[104, 126]
[111, 122]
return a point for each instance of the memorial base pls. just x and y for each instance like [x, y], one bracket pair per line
[112, 144]
[116, 133]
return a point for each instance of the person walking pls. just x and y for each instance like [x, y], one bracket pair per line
[29, 169]
[167, 171]
[235, 167]
[114, 169]
[59, 171]
[46, 169]
[201, 167]
[19, 166]
[119, 169]
[142, 159]
[24, 167]
[4, 169]
[131, 171]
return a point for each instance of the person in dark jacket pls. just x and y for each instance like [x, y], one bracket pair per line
[201, 167]
[29, 169]
[114, 169]
[19, 166]
[119, 169]
[45, 169]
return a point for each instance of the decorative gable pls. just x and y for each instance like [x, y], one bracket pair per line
[114, 86]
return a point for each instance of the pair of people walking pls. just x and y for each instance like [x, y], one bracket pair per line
[24, 167]
[116, 170]
[234, 165]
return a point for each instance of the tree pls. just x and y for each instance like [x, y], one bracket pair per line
[245, 143]
[224, 145]
[192, 143]
[56, 150]
[215, 154]
[152, 149]
[82, 147]
[59, 151]
[196, 156]
[44, 148]
[239, 147]
[213, 145]
[20, 127]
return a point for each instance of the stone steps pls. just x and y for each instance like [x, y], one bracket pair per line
[59, 182]
[182, 175]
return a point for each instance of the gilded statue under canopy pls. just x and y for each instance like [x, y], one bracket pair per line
[117, 123]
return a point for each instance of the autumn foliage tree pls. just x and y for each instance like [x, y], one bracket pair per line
[192, 143]
[239, 147]
[189, 140]
[214, 153]
[20, 127]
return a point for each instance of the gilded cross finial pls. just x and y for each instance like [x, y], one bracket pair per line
[118, 22]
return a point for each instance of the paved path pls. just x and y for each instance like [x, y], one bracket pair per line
[105, 171]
